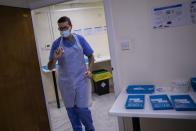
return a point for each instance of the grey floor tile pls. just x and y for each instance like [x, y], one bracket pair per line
[100, 107]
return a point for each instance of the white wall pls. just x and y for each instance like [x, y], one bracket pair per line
[47, 28]
[157, 55]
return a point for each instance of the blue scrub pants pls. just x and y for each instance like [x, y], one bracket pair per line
[78, 115]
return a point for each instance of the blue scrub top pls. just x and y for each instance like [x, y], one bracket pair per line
[87, 50]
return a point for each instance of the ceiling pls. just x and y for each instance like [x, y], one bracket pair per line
[34, 4]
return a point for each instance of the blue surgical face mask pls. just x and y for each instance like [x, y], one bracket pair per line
[65, 34]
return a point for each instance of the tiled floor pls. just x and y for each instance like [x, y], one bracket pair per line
[102, 121]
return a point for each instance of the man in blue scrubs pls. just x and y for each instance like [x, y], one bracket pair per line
[73, 75]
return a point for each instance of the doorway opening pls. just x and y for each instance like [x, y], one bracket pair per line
[88, 20]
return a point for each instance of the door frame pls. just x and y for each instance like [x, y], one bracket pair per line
[112, 48]
[112, 42]
[40, 65]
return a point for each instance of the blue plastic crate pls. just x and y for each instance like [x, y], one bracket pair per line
[46, 67]
[140, 89]
[183, 103]
[193, 84]
[160, 102]
[135, 102]
[86, 60]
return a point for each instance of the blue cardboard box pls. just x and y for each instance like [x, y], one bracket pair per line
[135, 102]
[160, 102]
[140, 89]
[193, 84]
[183, 103]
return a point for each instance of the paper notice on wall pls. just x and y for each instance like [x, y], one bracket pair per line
[105, 28]
[193, 12]
[98, 29]
[79, 31]
[88, 31]
[170, 16]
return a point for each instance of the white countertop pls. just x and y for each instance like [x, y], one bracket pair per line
[118, 108]
[97, 60]
[102, 59]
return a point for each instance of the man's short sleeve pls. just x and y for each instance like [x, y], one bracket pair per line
[88, 51]
[55, 45]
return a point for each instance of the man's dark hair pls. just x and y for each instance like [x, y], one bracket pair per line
[64, 19]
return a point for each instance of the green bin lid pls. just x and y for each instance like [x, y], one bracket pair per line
[100, 71]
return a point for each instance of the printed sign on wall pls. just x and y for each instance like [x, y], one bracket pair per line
[174, 15]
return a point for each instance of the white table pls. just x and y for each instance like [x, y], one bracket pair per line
[118, 109]
[55, 84]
